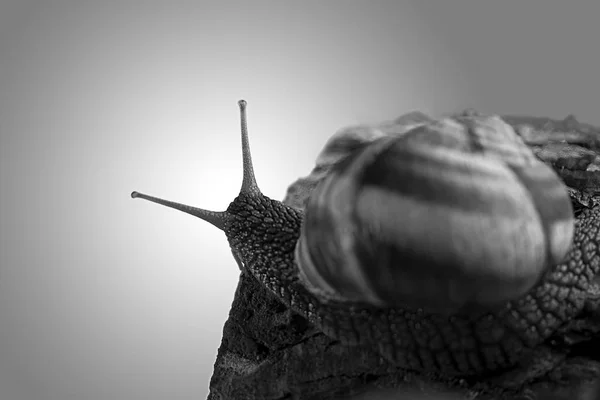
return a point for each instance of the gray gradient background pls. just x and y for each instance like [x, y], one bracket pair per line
[107, 298]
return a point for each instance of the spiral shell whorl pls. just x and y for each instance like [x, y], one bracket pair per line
[342, 144]
[457, 212]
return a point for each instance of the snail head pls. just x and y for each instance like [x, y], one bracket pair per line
[244, 213]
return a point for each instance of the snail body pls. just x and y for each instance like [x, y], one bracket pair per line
[456, 312]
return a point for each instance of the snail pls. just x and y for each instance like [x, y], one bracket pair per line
[448, 247]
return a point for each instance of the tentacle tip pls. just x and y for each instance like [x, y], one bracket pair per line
[242, 104]
[134, 194]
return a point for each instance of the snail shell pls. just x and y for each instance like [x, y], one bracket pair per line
[453, 214]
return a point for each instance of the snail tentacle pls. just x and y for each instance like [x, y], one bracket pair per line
[249, 180]
[216, 218]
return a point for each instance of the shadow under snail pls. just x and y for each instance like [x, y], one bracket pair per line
[449, 248]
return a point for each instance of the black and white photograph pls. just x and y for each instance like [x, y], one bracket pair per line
[320, 199]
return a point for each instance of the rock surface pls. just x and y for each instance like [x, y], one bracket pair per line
[268, 352]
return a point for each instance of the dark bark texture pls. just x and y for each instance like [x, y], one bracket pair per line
[268, 352]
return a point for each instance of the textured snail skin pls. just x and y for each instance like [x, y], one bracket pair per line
[264, 234]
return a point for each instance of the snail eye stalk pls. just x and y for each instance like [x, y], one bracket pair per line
[249, 186]
[216, 218]
[249, 180]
